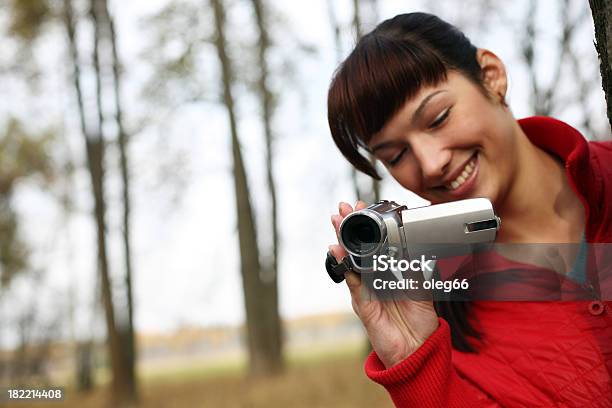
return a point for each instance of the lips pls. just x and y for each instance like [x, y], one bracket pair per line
[463, 176]
[459, 183]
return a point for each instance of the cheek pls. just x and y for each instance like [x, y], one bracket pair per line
[500, 152]
[408, 177]
[488, 179]
[497, 167]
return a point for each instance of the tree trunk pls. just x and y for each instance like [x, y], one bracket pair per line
[602, 17]
[84, 369]
[95, 159]
[263, 352]
[128, 332]
[270, 277]
[373, 195]
[95, 146]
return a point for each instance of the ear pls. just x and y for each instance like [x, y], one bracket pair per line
[493, 73]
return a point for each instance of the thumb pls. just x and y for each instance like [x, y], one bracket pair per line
[338, 252]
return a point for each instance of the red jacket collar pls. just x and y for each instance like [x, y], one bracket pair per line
[560, 139]
[565, 142]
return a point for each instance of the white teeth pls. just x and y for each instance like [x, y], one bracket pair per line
[463, 176]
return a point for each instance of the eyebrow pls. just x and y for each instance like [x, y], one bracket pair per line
[418, 111]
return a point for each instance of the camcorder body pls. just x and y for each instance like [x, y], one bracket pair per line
[434, 231]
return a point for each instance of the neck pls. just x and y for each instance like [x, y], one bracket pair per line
[540, 208]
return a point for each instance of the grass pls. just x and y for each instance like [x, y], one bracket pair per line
[314, 378]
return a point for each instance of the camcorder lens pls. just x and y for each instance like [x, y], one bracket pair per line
[361, 234]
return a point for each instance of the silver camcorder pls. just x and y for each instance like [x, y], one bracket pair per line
[437, 231]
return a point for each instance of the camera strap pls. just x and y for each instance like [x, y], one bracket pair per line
[337, 270]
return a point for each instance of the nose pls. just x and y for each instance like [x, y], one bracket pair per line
[433, 158]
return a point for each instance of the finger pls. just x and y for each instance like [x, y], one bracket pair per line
[353, 281]
[345, 209]
[360, 205]
[336, 220]
[337, 251]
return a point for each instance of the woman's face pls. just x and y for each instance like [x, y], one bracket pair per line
[450, 142]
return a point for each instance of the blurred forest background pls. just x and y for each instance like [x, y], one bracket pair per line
[166, 181]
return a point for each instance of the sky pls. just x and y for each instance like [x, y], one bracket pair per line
[184, 229]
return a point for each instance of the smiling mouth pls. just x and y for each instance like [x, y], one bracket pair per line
[464, 175]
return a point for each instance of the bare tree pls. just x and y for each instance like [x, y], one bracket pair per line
[373, 195]
[547, 97]
[602, 18]
[267, 97]
[372, 192]
[543, 97]
[337, 29]
[262, 339]
[109, 32]
[95, 146]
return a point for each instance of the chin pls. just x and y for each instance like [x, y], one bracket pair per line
[438, 200]
[478, 193]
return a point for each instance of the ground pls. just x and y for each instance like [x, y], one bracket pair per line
[334, 379]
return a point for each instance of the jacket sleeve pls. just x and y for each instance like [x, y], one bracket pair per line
[427, 378]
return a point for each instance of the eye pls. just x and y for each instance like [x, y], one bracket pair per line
[440, 119]
[397, 158]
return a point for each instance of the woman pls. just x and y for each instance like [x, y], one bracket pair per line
[431, 107]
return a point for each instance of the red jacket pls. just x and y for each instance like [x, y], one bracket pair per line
[548, 354]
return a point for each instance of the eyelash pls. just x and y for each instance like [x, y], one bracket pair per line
[440, 119]
[397, 158]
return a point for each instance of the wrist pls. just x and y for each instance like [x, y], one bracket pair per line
[412, 342]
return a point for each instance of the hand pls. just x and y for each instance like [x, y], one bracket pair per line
[396, 328]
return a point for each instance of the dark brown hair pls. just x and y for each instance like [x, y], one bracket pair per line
[387, 67]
